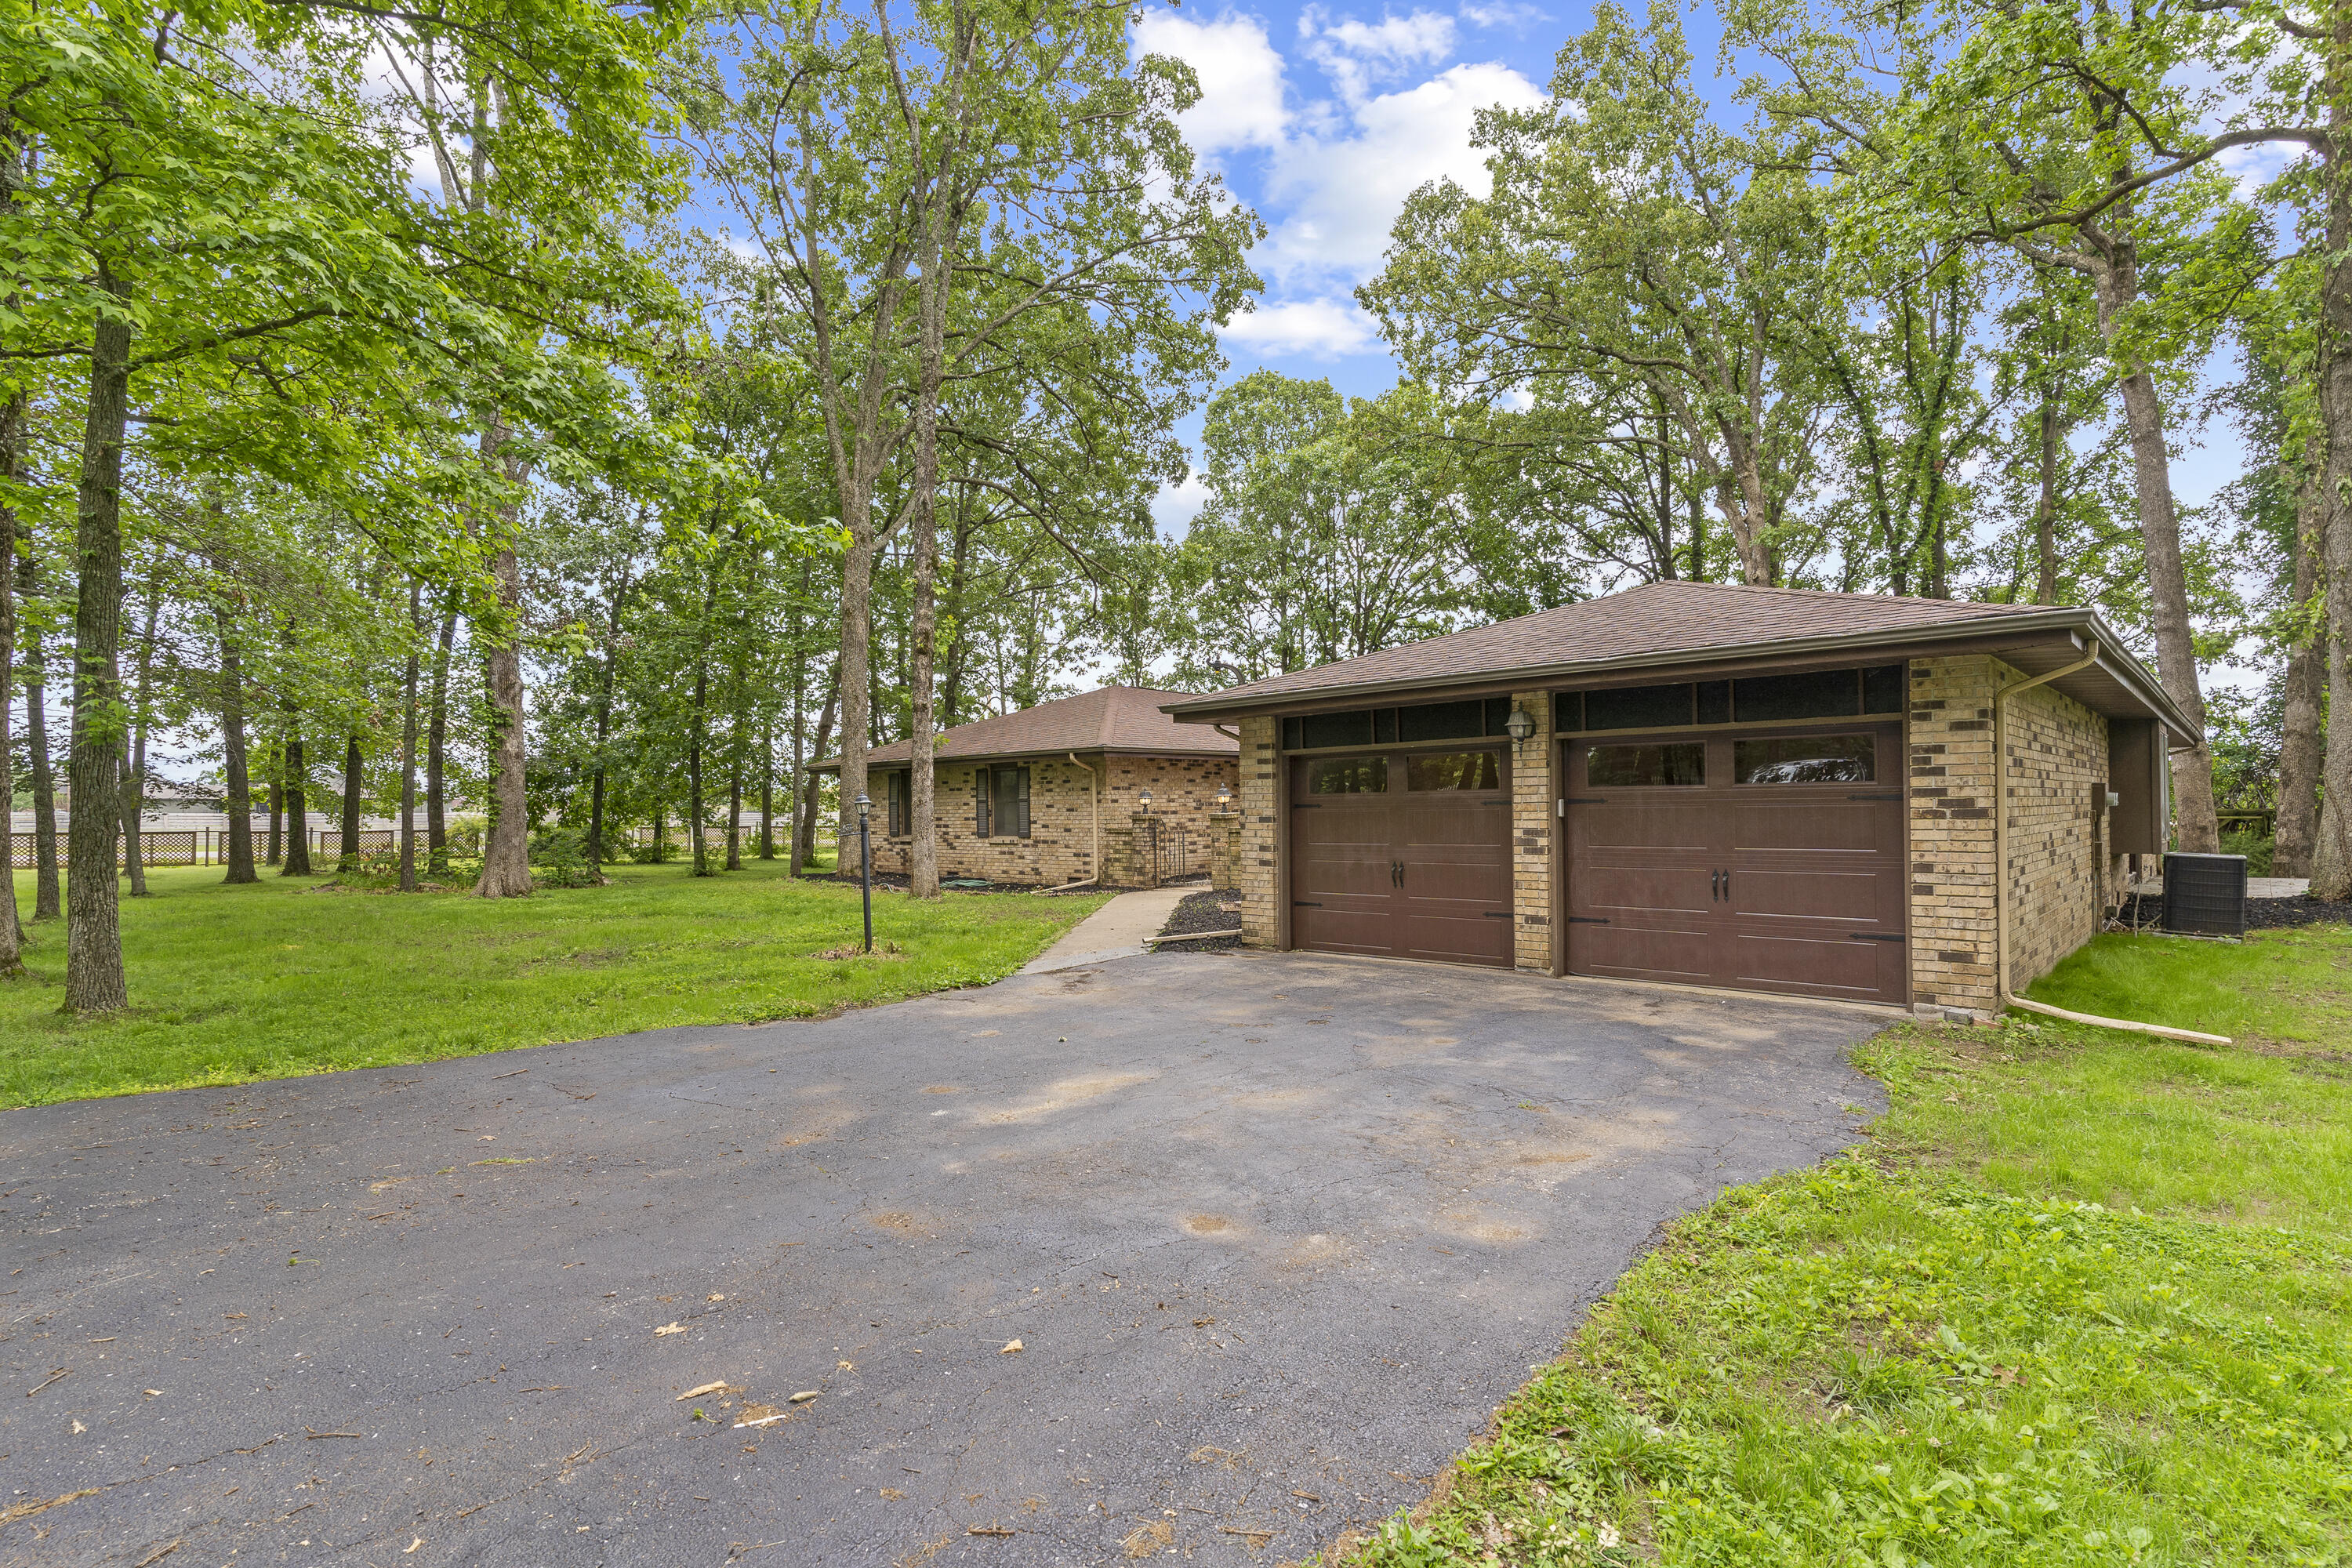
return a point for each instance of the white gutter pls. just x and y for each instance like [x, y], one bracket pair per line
[2000, 873]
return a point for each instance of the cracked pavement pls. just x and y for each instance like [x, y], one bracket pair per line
[1275, 1233]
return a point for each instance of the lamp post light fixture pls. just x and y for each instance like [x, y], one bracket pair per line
[1144, 798]
[1224, 796]
[866, 864]
[1521, 725]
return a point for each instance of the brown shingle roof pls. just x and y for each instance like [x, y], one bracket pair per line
[1654, 620]
[1113, 719]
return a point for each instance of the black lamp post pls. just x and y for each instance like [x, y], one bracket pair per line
[866, 865]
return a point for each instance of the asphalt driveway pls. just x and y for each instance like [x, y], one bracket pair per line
[1274, 1234]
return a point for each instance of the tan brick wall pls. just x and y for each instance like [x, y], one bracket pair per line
[1532, 827]
[1260, 801]
[1060, 847]
[1225, 852]
[2057, 754]
[2057, 749]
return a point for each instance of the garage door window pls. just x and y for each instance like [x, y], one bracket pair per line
[1453, 770]
[1640, 767]
[1804, 759]
[1347, 775]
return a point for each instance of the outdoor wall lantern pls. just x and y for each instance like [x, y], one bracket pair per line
[1521, 724]
[1144, 796]
[1224, 796]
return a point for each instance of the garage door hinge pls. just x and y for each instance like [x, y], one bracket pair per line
[1587, 920]
[1873, 936]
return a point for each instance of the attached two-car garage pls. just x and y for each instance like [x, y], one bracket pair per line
[1878, 799]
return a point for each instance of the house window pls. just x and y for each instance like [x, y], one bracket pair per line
[902, 804]
[1678, 765]
[1001, 803]
[1811, 758]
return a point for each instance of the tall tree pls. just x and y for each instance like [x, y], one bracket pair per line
[1629, 242]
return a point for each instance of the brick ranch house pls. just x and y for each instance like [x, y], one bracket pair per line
[1056, 793]
[1764, 789]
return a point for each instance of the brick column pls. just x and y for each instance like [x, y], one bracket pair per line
[1145, 845]
[1224, 850]
[1948, 753]
[1260, 799]
[1532, 826]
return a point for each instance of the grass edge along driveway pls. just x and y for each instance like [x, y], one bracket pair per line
[2084, 1298]
[292, 977]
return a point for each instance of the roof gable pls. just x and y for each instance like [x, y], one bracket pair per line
[1128, 718]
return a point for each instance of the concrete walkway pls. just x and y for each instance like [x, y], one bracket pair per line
[1115, 930]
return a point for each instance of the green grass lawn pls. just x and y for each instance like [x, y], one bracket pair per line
[2083, 1297]
[228, 985]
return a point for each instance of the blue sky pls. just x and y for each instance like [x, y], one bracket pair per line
[1324, 119]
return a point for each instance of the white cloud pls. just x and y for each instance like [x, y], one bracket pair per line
[1175, 507]
[1341, 192]
[1356, 54]
[1316, 326]
[1241, 79]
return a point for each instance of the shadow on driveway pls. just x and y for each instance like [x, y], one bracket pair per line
[1274, 1234]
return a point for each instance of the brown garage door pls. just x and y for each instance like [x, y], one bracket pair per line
[1769, 861]
[1402, 853]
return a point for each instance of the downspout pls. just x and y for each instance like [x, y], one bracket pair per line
[1094, 795]
[2000, 873]
[1233, 735]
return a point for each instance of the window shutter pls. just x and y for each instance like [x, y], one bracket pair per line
[979, 801]
[1023, 787]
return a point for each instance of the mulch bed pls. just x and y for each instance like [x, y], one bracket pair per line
[2261, 914]
[1205, 911]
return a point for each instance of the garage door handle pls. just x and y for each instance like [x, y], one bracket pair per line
[1713, 885]
[1583, 799]
[1587, 920]
[1499, 914]
[1873, 936]
[1304, 904]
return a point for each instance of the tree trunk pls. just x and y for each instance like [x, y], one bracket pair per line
[2331, 858]
[2045, 512]
[135, 770]
[505, 841]
[604, 724]
[12, 444]
[2301, 749]
[804, 831]
[768, 790]
[298, 820]
[276, 819]
[347, 845]
[94, 978]
[694, 817]
[735, 808]
[437, 747]
[2117, 284]
[408, 676]
[855, 671]
[128, 799]
[47, 903]
[239, 805]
